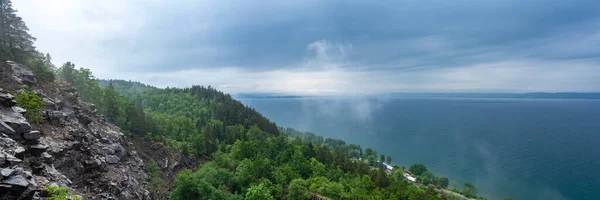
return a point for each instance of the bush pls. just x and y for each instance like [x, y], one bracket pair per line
[60, 193]
[32, 103]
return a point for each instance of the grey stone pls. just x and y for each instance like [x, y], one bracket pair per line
[6, 129]
[6, 172]
[32, 135]
[37, 149]
[12, 160]
[47, 157]
[19, 109]
[22, 74]
[110, 159]
[17, 180]
[19, 152]
[7, 100]
[49, 103]
[16, 121]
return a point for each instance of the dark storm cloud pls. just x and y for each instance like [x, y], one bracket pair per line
[329, 47]
[387, 34]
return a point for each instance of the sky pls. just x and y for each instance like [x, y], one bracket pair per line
[328, 47]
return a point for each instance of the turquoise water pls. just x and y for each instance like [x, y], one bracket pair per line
[525, 149]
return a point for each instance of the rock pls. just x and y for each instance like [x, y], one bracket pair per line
[17, 180]
[110, 159]
[20, 152]
[5, 188]
[47, 157]
[7, 100]
[11, 160]
[56, 118]
[22, 74]
[6, 129]
[6, 172]
[84, 119]
[16, 121]
[32, 135]
[49, 103]
[19, 109]
[38, 149]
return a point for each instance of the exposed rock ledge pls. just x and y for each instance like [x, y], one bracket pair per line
[72, 148]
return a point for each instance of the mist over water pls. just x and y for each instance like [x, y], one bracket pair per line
[525, 149]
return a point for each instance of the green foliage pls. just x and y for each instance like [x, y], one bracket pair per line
[14, 34]
[251, 159]
[259, 192]
[444, 182]
[41, 69]
[60, 193]
[298, 190]
[417, 169]
[152, 171]
[32, 103]
[469, 190]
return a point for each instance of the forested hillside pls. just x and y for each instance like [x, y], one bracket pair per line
[255, 161]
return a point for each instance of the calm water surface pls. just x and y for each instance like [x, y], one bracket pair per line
[525, 149]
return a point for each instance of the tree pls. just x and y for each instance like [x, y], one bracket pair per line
[111, 102]
[444, 182]
[14, 33]
[259, 192]
[42, 70]
[427, 178]
[388, 160]
[469, 190]
[417, 169]
[67, 72]
[298, 190]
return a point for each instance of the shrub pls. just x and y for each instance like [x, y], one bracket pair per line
[60, 193]
[32, 103]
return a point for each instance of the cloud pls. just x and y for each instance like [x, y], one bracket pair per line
[328, 47]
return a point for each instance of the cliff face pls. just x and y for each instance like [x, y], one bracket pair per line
[72, 147]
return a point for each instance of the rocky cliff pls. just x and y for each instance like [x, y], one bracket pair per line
[72, 147]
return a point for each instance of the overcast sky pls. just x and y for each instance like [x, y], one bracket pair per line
[328, 47]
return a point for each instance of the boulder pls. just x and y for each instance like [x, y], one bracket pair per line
[56, 118]
[37, 149]
[19, 110]
[6, 129]
[7, 100]
[12, 160]
[22, 74]
[32, 135]
[6, 172]
[16, 121]
[49, 103]
[17, 180]
[47, 157]
[20, 152]
[110, 159]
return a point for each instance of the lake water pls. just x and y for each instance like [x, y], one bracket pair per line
[520, 148]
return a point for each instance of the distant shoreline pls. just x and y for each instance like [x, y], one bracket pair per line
[537, 95]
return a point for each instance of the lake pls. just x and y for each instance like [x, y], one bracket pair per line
[520, 148]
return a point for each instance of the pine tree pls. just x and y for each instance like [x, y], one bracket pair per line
[14, 33]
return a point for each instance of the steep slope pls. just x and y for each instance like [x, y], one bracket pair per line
[72, 146]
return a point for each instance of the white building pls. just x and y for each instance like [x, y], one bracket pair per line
[410, 178]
